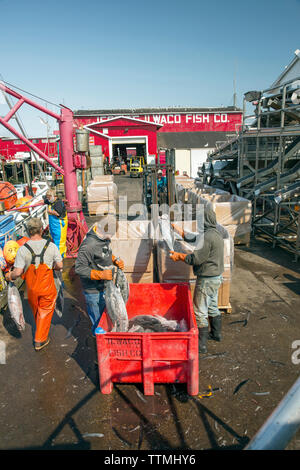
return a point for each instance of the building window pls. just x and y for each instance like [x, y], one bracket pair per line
[35, 141]
[17, 142]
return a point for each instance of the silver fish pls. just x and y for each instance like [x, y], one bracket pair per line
[122, 283]
[136, 329]
[59, 305]
[115, 307]
[165, 229]
[115, 304]
[15, 306]
[153, 323]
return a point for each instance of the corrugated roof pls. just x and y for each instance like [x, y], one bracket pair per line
[287, 68]
[137, 111]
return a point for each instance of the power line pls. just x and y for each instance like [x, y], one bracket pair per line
[31, 94]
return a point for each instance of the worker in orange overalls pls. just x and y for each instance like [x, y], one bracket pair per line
[35, 261]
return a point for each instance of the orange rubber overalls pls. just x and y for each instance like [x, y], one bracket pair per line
[41, 292]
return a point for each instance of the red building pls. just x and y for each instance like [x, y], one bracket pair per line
[11, 148]
[123, 136]
[192, 132]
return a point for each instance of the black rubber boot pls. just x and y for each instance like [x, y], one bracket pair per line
[215, 328]
[203, 335]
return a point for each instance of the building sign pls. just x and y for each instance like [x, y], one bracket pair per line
[183, 122]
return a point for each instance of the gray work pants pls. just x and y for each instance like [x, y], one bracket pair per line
[205, 300]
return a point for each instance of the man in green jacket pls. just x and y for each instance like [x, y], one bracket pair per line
[208, 266]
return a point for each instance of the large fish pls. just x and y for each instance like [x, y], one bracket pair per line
[154, 323]
[115, 307]
[115, 301]
[166, 232]
[122, 283]
[59, 284]
[15, 306]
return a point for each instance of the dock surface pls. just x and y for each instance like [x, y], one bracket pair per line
[51, 399]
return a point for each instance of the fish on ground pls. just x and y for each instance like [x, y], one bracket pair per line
[240, 385]
[92, 434]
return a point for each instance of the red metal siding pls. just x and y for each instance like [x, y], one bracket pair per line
[8, 148]
[197, 122]
[125, 128]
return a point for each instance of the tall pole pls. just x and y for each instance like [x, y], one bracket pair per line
[234, 88]
[234, 93]
[77, 226]
[21, 127]
[74, 207]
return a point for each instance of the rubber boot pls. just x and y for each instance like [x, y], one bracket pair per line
[215, 328]
[203, 335]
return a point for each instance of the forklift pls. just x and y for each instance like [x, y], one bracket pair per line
[117, 166]
[136, 166]
[155, 193]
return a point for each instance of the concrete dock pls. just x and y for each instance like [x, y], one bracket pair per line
[51, 399]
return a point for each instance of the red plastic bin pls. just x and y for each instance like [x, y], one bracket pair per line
[151, 358]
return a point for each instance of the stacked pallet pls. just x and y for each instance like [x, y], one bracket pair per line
[185, 181]
[169, 271]
[189, 191]
[96, 161]
[233, 212]
[102, 195]
[133, 243]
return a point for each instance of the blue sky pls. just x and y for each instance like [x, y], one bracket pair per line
[134, 53]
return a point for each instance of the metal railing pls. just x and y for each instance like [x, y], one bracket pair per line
[282, 424]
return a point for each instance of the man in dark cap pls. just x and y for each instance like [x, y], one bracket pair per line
[94, 263]
[208, 266]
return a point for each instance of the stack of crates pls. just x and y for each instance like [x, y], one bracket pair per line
[102, 195]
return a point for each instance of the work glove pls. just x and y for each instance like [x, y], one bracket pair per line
[8, 276]
[118, 262]
[178, 230]
[105, 275]
[177, 256]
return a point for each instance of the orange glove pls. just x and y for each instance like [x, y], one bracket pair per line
[105, 275]
[177, 256]
[7, 276]
[118, 262]
[178, 230]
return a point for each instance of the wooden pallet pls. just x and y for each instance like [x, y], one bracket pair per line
[226, 309]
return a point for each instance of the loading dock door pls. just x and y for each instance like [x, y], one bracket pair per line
[119, 146]
[183, 161]
[198, 157]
